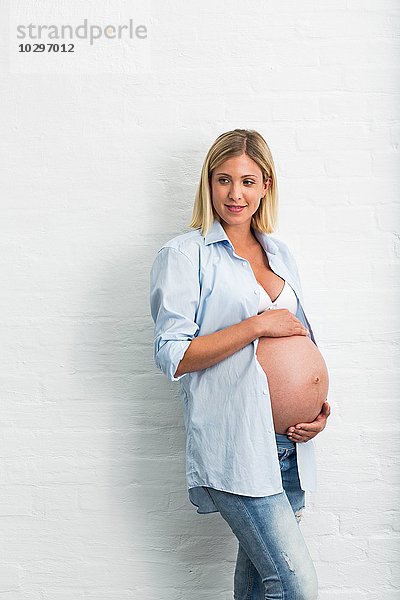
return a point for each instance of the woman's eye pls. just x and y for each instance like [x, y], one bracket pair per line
[222, 179]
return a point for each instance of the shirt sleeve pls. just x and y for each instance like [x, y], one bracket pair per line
[174, 298]
[295, 269]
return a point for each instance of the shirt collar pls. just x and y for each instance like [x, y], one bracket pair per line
[216, 233]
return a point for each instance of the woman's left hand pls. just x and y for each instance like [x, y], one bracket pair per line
[305, 431]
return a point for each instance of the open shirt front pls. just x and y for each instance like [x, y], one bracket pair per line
[198, 285]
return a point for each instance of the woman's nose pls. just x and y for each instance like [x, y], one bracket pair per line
[235, 192]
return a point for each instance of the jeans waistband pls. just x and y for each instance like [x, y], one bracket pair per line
[284, 440]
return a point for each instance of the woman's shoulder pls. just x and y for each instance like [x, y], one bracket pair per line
[276, 244]
[282, 250]
[184, 239]
[281, 245]
[187, 243]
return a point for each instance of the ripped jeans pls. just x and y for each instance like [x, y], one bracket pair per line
[273, 561]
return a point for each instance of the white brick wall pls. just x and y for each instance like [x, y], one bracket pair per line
[99, 168]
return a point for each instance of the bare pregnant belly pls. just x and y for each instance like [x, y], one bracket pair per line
[297, 378]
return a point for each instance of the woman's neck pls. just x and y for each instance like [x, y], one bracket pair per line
[242, 237]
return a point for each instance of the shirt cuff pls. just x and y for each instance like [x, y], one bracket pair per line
[169, 356]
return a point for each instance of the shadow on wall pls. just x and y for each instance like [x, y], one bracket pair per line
[138, 518]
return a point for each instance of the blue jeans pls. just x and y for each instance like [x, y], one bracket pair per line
[273, 561]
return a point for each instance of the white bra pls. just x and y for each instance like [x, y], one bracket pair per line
[286, 299]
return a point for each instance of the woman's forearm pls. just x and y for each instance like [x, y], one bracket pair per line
[207, 350]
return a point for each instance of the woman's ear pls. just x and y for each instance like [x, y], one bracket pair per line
[267, 184]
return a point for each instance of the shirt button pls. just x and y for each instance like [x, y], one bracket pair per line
[265, 392]
[256, 291]
[244, 263]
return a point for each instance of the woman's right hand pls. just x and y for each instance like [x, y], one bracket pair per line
[280, 322]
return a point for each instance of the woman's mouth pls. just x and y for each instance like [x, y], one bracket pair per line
[234, 208]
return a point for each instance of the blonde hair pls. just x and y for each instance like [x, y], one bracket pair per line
[236, 143]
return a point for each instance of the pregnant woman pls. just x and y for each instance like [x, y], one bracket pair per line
[253, 382]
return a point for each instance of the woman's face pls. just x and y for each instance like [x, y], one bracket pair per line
[237, 182]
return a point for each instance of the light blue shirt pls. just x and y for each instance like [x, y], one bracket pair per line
[198, 285]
